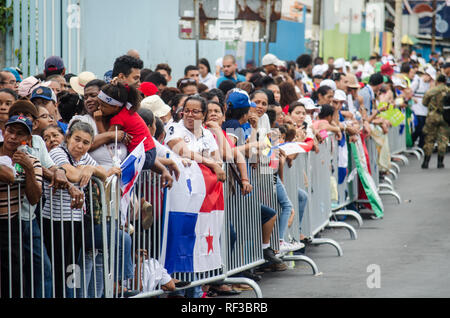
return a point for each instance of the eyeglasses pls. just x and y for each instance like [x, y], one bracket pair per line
[188, 81]
[194, 112]
[10, 82]
[46, 116]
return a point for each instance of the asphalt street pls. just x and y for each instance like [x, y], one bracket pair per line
[406, 254]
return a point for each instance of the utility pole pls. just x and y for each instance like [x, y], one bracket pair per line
[398, 29]
[433, 28]
[316, 27]
[197, 29]
[268, 11]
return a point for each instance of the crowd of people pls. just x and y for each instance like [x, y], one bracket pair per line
[60, 129]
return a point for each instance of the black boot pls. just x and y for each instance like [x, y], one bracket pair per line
[426, 161]
[440, 162]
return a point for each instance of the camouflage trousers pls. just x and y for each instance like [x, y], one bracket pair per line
[436, 130]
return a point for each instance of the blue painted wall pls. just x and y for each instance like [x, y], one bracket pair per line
[290, 42]
[111, 27]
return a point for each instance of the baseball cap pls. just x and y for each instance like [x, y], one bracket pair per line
[270, 59]
[26, 86]
[14, 72]
[108, 76]
[329, 83]
[339, 63]
[319, 70]
[20, 120]
[398, 82]
[309, 103]
[431, 71]
[340, 95]
[23, 107]
[156, 105]
[148, 89]
[79, 82]
[386, 69]
[43, 92]
[54, 63]
[239, 98]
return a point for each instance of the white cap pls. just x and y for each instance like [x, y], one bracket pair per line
[329, 83]
[339, 63]
[319, 70]
[156, 105]
[431, 71]
[309, 103]
[398, 82]
[270, 59]
[281, 63]
[340, 95]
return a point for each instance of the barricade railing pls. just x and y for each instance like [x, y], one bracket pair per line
[340, 204]
[53, 251]
[383, 187]
[317, 214]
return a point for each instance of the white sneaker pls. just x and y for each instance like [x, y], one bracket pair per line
[286, 247]
[297, 245]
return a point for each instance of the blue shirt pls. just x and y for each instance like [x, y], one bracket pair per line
[63, 126]
[241, 132]
[239, 78]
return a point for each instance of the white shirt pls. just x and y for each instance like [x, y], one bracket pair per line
[205, 144]
[368, 70]
[209, 80]
[104, 154]
[419, 88]
[263, 126]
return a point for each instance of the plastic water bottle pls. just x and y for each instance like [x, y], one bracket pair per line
[23, 148]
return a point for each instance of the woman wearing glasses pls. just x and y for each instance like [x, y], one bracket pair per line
[190, 140]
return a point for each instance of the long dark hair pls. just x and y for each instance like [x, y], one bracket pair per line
[124, 94]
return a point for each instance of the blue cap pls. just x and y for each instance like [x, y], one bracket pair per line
[20, 120]
[14, 72]
[239, 98]
[43, 92]
[108, 76]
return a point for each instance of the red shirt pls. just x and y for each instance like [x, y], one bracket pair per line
[134, 125]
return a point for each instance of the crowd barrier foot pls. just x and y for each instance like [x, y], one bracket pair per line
[391, 192]
[351, 229]
[351, 213]
[382, 186]
[419, 150]
[321, 241]
[247, 281]
[396, 166]
[394, 174]
[301, 258]
[388, 180]
[414, 152]
[402, 158]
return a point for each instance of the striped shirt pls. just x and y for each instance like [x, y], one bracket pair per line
[13, 203]
[52, 207]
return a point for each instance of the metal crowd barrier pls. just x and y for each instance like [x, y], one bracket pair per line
[56, 259]
[384, 188]
[345, 195]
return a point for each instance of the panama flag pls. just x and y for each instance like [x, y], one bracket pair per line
[131, 168]
[193, 221]
[343, 159]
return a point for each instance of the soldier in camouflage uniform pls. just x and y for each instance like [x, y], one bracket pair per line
[436, 128]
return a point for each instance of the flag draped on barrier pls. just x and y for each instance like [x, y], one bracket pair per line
[131, 168]
[367, 181]
[193, 222]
